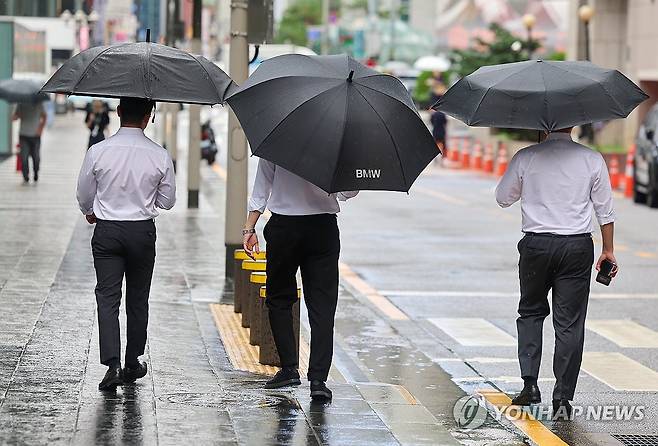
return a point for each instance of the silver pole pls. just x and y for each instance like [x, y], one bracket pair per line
[325, 27]
[194, 146]
[236, 158]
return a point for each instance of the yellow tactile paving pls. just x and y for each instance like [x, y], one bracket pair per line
[535, 430]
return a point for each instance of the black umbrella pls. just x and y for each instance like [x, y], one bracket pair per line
[21, 90]
[334, 122]
[142, 70]
[540, 95]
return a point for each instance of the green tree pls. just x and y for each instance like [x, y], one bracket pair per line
[505, 47]
[299, 15]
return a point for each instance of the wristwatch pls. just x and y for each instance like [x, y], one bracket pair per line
[248, 231]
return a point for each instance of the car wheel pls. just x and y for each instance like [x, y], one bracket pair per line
[652, 192]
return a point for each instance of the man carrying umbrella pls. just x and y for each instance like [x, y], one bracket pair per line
[33, 120]
[301, 234]
[559, 183]
[122, 182]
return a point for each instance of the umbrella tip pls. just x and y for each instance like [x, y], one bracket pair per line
[148, 34]
[351, 75]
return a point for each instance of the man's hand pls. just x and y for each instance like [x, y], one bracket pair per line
[250, 244]
[606, 255]
[91, 218]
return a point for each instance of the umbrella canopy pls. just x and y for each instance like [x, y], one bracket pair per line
[21, 90]
[541, 95]
[334, 122]
[142, 70]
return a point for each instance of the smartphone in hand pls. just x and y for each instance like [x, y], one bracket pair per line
[604, 276]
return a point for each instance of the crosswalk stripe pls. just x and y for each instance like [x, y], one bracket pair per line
[472, 332]
[503, 294]
[624, 332]
[607, 367]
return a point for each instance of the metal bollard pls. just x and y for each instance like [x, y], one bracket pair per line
[267, 352]
[249, 266]
[256, 282]
[240, 277]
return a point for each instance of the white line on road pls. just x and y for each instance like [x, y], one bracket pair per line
[494, 294]
[440, 195]
[620, 372]
[624, 333]
[472, 332]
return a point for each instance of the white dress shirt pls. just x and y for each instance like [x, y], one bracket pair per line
[559, 183]
[126, 177]
[285, 193]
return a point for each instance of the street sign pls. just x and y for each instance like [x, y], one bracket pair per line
[260, 21]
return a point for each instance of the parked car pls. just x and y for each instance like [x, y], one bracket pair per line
[645, 163]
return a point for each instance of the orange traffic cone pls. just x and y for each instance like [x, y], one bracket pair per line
[501, 162]
[488, 159]
[613, 169]
[466, 154]
[477, 156]
[454, 151]
[629, 181]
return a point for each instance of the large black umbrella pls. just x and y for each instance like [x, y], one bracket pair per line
[334, 122]
[21, 90]
[142, 70]
[541, 95]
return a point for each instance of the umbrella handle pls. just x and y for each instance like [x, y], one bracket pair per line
[148, 35]
[351, 75]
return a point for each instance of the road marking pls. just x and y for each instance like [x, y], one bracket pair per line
[379, 301]
[505, 379]
[534, 429]
[440, 195]
[496, 294]
[620, 372]
[624, 332]
[645, 254]
[472, 332]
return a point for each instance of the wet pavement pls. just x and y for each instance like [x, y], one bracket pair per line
[391, 392]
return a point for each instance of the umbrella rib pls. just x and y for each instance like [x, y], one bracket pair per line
[84, 73]
[207, 74]
[395, 146]
[386, 94]
[487, 92]
[599, 83]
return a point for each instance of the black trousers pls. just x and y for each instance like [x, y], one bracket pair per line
[312, 244]
[564, 266]
[123, 249]
[30, 148]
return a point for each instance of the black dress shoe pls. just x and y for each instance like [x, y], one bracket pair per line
[112, 379]
[561, 410]
[319, 391]
[132, 374]
[283, 378]
[529, 395]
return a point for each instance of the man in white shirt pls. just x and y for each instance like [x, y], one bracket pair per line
[560, 184]
[302, 233]
[122, 181]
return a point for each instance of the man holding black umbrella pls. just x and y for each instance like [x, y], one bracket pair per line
[559, 183]
[301, 234]
[122, 182]
[33, 120]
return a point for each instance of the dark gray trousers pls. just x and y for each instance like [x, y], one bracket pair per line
[30, 147]
[123, 249]
[564, 266]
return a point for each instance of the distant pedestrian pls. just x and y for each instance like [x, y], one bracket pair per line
[560, 183]
[122, 182]
[97, 120]
[301, 234]
[33, 119]
[439, 132]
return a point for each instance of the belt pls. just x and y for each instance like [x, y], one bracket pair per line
[549, 234]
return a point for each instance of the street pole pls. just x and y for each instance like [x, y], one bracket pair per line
[393, 17]
[171, 110]
[236, 158]
[325, 27]
[587, 55]
[194, 145]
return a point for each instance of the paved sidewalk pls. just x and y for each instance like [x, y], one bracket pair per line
[388, 392]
